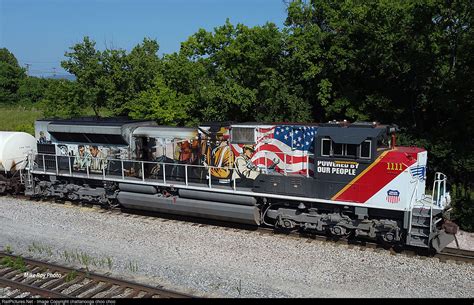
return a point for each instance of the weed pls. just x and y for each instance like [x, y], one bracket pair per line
[239, 287]
[132, 266]
[76, 256]
[34, 247]
[70, 276]
[85, 259]
[66, 256]
[109, 263]
[8, 249]
[6, 261]
[18, 263]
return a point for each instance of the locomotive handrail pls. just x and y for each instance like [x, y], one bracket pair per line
[144, 161]
[153, 162]
[123, 168]
[438, 192]
[129, 165]
[159, 182]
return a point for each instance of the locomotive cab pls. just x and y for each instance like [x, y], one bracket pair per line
[343, 152]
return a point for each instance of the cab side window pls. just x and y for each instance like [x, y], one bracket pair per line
[330, 149]
[351, 150]
[326, 147]
[337, 149]
[365, 149]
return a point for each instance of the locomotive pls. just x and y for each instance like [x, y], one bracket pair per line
[338, 178]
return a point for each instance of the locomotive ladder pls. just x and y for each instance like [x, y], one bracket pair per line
[421, 226]
[421, 221]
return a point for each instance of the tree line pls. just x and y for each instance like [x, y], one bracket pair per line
[403, 62]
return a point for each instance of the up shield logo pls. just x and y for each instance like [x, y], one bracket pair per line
[393, 196]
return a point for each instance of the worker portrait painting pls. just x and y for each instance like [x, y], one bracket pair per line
[245, 171]
[98, 158]
[82, 159]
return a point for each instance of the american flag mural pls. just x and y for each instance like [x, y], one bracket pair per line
[290, 146]
[393, 196]
[418, 172]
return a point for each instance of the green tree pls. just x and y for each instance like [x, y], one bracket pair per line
[406, 62]
[245, 74]
[162, 104]
[32, 90]
[11, 75]
[85, 62]
[63, 99]
[112, 78]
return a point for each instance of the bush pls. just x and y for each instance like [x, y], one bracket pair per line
[463, 207]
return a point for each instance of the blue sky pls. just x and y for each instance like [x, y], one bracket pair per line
[38, 32]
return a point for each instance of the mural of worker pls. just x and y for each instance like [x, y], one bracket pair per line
[82, 159]
[184, 152]
[244, 170]
[222, 158]
[42, 138]
[99, 159]
[63, 150]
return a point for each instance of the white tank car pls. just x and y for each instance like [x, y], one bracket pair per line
[14, 147]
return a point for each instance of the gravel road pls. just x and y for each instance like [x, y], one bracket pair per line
[211, 261]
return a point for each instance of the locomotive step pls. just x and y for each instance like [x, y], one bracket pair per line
[420, 225]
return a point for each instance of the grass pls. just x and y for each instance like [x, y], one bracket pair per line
[75, 256]
[70, 276]
[35, 247]
[132, 266]
[19, 118]
[22, 118]
[8, 249]
[17, 264]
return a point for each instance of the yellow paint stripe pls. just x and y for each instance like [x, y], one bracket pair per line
[360, 175]
[345, 162]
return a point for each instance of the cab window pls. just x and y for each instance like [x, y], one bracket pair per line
[365, 149]
[326, 147]
[351, 150]
[337, 149]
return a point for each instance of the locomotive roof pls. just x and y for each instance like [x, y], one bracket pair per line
[94, 130]
[164, 132]
[114, 121]
[351, 134]
[256, 124]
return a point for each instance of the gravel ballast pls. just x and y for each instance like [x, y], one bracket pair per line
[212, 261]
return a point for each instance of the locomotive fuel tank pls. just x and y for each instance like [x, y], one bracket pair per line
[14, 147]
[191, 207]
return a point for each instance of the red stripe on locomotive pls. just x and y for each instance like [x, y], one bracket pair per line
[371, 181]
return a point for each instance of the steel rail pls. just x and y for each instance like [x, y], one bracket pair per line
[95, 279]
[33, 290]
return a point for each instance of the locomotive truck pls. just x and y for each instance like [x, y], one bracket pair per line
[338, 178]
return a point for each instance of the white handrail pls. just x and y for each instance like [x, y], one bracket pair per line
[135, 165]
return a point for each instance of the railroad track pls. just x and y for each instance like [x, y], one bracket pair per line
[48, 280]
[457, 255]
[448, 254]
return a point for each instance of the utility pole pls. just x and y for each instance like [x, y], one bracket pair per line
[27, 69]
[54, 72]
